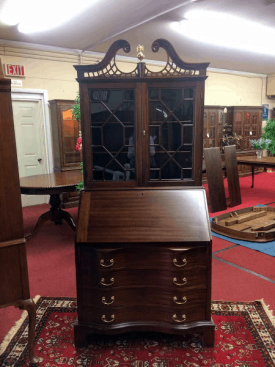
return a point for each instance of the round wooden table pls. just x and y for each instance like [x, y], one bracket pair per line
[52, 184]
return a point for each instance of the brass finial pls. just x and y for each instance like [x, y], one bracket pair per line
[140, 55]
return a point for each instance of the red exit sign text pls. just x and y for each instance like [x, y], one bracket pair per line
[14, 70]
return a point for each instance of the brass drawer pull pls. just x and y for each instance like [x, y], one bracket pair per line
[184, 299]
[103, 299]
[183, 279]
[175, 262]
[107, 266]
[175, 318]
[102, 281]
[103, 318]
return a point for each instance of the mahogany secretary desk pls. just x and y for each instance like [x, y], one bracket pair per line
[143, 244]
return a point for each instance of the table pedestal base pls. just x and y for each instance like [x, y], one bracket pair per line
[55, 214]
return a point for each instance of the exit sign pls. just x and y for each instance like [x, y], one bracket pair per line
[14, 70]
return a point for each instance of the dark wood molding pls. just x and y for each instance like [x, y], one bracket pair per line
[175, 67]
[171, 53]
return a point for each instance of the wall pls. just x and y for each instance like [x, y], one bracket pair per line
[52, 69]
[228, 89]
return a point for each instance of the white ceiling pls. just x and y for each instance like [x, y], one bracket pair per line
[144, 21]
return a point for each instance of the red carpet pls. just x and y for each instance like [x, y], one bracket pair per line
[51, 263]
[231, 283]
[249, 259]
[220, 244]
[245, 336]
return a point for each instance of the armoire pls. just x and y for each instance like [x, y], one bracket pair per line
[143, 242]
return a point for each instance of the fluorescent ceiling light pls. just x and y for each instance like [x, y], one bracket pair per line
[228, 31]
[37, 16]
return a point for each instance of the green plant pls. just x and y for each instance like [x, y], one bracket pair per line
[76, 114]
[80, 184]
[76, 108]
[260, 143]
[269, 133]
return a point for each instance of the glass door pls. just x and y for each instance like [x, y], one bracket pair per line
[70, 134]
[113, 134]
[171, 130]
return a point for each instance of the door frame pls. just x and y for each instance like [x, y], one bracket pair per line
[39, 95]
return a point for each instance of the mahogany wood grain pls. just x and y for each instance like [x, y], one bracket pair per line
[14, 283]
[215, 179]
[52, 184]
[11, 218]
[30, 307]
[104, 299]
[253, 161]
[83, 330]
[124, 213]
[232, 175]
[267, 162]
[159, 278]
[120, 258]
[105, 76]
[140, 223]
[146, 267]
[153, 314]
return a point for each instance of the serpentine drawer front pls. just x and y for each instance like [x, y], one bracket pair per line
[189, 279]
[152, 258]
[146, 296]
[154, 314]
[149, 273]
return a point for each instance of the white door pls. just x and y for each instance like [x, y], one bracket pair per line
[28, 124]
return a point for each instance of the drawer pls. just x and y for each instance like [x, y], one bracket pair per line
[146, 296]
[172, 280]
[142, 257]
[139, 314]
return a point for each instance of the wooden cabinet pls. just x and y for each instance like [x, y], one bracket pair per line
[213, 121]
[65, 132]
[14, 283]
[143, 263]
[142, 128]
[246, 122]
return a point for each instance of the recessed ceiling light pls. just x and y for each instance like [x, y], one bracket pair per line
[37, 16]
[227, 31]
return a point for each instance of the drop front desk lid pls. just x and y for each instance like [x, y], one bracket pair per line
[144, 215]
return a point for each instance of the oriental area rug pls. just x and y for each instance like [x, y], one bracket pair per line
[244, 337]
